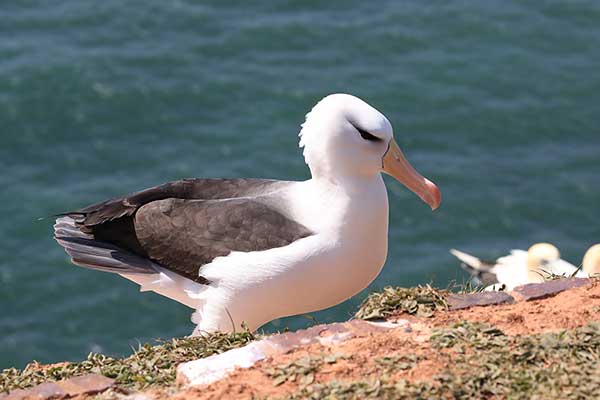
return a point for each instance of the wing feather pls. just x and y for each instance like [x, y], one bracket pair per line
[183, 235]
[179, 226]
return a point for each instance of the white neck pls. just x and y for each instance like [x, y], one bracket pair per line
[342, 203]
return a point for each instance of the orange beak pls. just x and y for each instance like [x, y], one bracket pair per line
[396, 165]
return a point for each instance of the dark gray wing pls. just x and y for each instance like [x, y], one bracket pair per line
[205, 189]
[183, 235]
[482, 271]
[180, 226]
[90, 253]
[485, 277]
[482, 274]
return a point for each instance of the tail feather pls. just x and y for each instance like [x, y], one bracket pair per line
[87, 252]
[481, 271]
[60, 232]
[64, 228]
[470, 261]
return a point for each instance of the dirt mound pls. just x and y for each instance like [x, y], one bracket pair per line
[540, 341]
[413, 357]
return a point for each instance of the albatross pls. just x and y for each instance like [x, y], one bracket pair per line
[540, 262]
[242, 252]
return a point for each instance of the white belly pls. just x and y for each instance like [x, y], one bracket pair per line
[319, 279]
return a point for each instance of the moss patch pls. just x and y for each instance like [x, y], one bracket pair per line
[389, 364]
[301, 370]
[148, 366]
[421, 301]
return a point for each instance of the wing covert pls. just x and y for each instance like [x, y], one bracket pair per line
[182, 235]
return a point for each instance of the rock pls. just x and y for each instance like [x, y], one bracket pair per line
[211, 369]
[534, 291]
[460, 301]
[79, 385]
[50, 390]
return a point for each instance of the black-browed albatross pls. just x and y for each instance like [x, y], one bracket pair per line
[252, 250]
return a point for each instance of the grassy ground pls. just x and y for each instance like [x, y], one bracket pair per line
[421, 301]
[479, 360]
[483, 362]
[155, 365]
[148, 366]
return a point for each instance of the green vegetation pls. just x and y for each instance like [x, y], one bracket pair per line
[390, 364]
[485, 363]
[148, 366]
[301, 370]
[377, 389]
[465, 287]
[480, 361]
[421, 301]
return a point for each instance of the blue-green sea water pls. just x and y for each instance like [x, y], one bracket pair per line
[498, 102]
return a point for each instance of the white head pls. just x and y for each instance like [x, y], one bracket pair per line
[591, 260]
[539, 258]
[344, 137]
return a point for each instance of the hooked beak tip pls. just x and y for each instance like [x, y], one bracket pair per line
[436, 196]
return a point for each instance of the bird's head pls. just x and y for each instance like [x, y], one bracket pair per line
[344, 137]
[540, 256]
[591, 260]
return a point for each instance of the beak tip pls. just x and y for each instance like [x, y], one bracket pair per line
[395, 164]
[436, 196]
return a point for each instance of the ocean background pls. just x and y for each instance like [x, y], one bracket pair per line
[498, 102]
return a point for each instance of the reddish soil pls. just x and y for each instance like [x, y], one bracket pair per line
[570, 309]
[566, 310]
[358, 363]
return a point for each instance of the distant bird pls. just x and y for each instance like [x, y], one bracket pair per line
[535, 265]
[252, 250]
[591, 261]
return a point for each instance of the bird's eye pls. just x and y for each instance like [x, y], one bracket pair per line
[367, 136]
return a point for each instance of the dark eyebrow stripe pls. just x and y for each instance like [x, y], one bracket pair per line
[366, 135]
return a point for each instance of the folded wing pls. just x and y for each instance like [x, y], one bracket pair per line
[179, 226]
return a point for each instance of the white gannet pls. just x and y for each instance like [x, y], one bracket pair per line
[540, 262]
